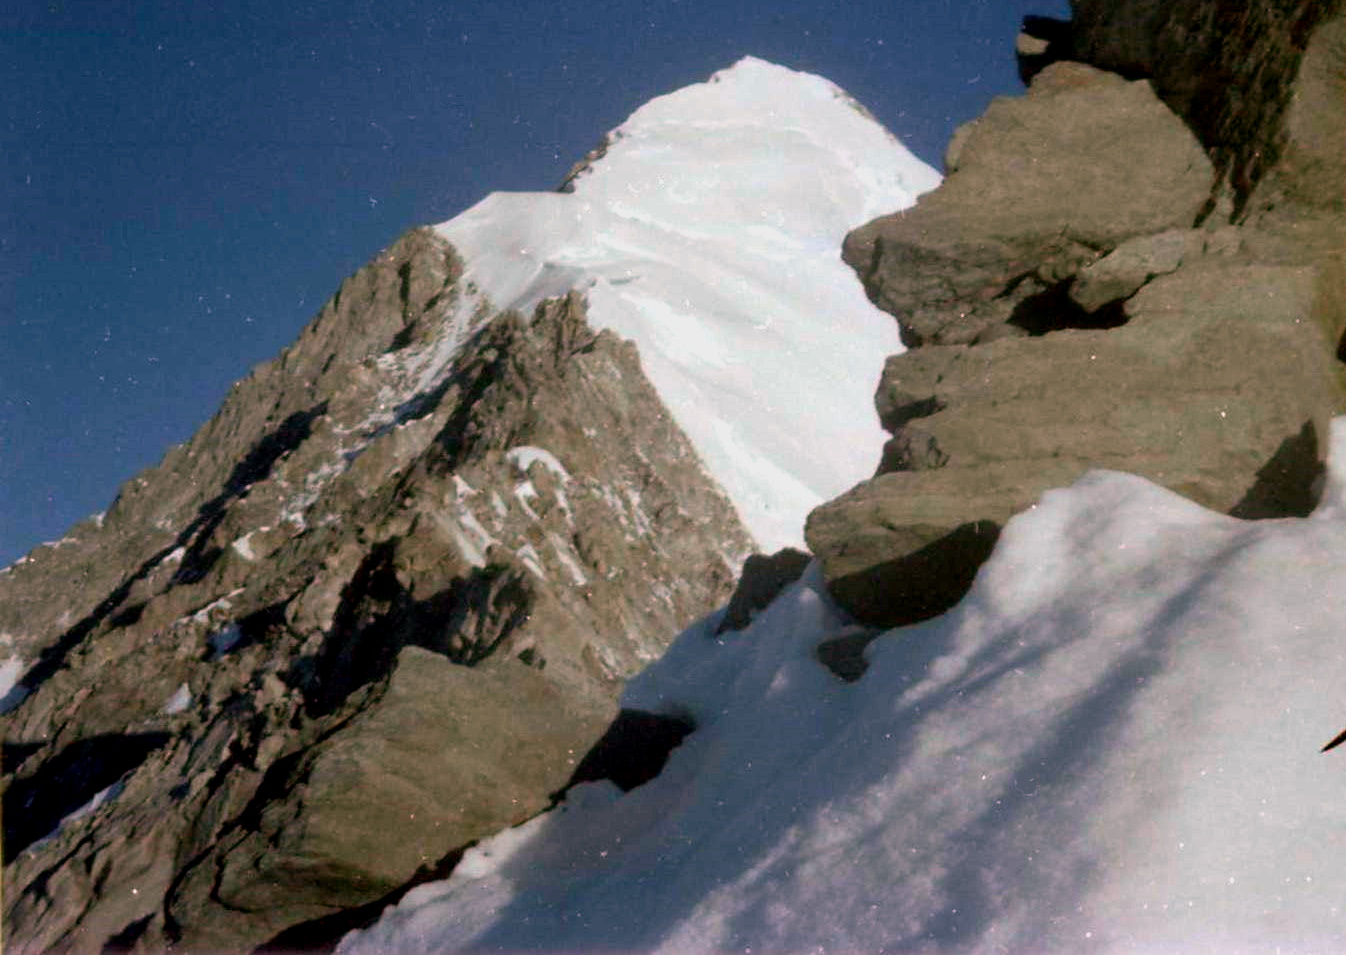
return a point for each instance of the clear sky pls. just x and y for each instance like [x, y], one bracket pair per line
[182, 185]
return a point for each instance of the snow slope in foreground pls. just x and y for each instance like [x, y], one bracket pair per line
[1112, 744]
[709, 232]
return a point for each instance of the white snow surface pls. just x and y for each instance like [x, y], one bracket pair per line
[709, 233]
[524, 456]
[1110, 745]
[12, 693]
[179, 701]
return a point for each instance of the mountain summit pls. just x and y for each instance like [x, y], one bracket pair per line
[705, 229]
[402, 610]
[383, 602]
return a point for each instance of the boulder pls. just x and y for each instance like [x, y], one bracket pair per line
[1038, 187]
[763, 577]
[1120, 273]
[1218, 387]
[445, 755]
[890, 563]
[1229, 68]
[1041, 42]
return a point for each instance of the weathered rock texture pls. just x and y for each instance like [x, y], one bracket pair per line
[1082, 293]
[1229, 69]
[1037, 188]
[380, 606]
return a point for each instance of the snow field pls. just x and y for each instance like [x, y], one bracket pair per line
[1110, 745]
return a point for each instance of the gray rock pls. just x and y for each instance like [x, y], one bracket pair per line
[444, 756]
[1038, 188]
[1311, 169]
[1219, 387]
[391, 583]
[1041, 42]
[889, 564]
[1027, 45]
[1121, 272]
[1227, 67]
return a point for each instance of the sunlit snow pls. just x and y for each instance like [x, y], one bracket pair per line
[1111, 745]
[12, 692]
[179, 701]
[710, 234]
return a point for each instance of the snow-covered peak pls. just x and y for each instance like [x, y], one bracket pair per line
[708, 232]
[737, 121]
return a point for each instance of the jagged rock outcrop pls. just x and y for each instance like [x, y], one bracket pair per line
[1064, 312]
[380, 606]
[1038, 187]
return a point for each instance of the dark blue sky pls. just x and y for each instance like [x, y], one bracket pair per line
[182, 185]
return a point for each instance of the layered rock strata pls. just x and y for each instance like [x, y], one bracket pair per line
[1080, 293]
[1037, 188]
[380, 606]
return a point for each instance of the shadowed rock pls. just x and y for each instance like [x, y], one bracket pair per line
[632, 750]
[763, 578]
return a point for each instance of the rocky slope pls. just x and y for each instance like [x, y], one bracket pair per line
[1139, 270]
[382, 604]
[379, 607]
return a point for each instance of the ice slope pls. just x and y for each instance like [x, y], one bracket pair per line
[1111, 745]
[709, 232]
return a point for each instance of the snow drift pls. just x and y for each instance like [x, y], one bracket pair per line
[1111, 744]
[708, 232]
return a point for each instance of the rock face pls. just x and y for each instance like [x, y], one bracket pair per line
[1037, 188]
[1083, 293]
[1230, 70]
[380, 606]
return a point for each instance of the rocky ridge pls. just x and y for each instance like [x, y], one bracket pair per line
[383, 602]
[1138, 270]
[381, 605]
[226, 726]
